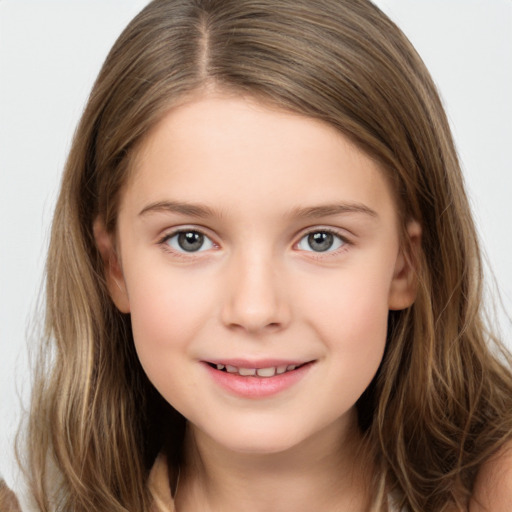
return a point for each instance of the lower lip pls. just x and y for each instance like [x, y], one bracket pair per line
[257, 387]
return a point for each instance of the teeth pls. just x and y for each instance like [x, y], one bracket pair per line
[266, 372]
[260, 372]
[247, 371]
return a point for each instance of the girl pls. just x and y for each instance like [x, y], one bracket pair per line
[264, 284]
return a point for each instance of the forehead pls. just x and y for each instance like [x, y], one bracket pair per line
[241, 152]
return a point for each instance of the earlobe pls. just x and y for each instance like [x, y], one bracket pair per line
[404, 285]
[112, 267]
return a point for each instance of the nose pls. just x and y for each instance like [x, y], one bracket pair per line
[255, 295]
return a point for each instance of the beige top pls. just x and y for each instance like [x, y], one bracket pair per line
[158, 484]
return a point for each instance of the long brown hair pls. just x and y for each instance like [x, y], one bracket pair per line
[441, 403]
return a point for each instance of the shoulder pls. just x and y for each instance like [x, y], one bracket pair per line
[8, 501]
[493, 487]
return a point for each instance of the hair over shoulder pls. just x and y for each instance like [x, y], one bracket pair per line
[8, 500]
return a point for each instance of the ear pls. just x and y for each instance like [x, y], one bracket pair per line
[112, 267]
[404, 285]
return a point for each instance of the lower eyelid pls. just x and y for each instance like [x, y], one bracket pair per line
[342, 239]
[164, 241]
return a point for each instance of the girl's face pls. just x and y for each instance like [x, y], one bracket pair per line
[258, 255]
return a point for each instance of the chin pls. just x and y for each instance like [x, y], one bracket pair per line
[259, 437]
[261, 444]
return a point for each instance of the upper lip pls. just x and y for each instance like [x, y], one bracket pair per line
[257, 363]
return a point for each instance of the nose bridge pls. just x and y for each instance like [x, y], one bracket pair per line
[255, 298]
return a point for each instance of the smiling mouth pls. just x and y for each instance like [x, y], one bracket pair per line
[270, 371]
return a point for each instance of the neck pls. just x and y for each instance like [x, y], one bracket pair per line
[325, 472]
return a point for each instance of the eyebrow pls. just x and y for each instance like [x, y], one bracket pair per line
[311, 212]
[194, 210]
[328, 210]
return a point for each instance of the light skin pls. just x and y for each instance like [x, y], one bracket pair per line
[253, 234]
[493, 486]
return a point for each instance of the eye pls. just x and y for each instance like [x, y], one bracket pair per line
[320, 241]
[188, 241]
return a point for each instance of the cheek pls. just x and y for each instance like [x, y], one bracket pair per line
[364, 312]
[350, 316]
[352, 301]
[166, 313]
[357, 340]
[360, 344]
[166, 317]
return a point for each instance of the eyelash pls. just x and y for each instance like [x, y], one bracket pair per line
[325, 254]
[163, 242]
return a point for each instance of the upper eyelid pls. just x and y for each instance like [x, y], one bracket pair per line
[170, 232]
[324, 255]
[163, 240]
[341, 233]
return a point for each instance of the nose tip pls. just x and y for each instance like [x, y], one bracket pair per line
[256, 301]
[253, 321]
[254, 312]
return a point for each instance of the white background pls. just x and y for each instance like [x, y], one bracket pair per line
[50, 53]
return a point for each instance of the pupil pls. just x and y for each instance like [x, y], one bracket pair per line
[190, 241]
[320, 242]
